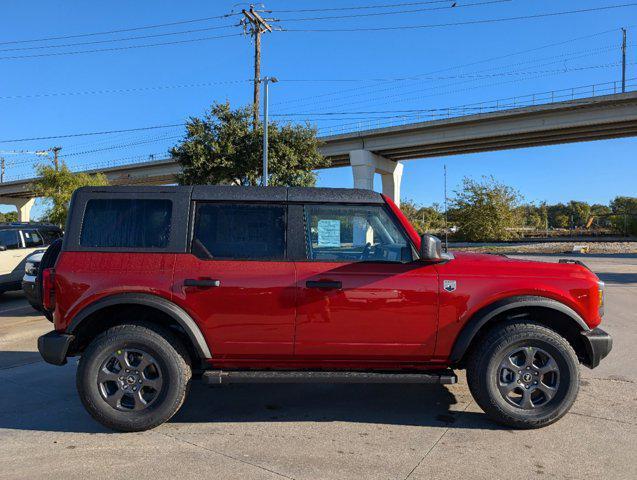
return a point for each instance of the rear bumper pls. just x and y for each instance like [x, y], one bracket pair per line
[598, 344]
[54, 346]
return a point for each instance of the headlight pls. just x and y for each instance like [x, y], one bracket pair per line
[31, 268]
[600, 292]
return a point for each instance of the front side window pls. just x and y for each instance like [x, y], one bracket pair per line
[9, 239]
[32, 238]
[126, 223]
[354, 234]
[239, 231]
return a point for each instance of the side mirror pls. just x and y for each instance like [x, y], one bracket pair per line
[2, 248]
[430, 248]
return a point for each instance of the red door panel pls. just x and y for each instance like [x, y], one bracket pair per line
[250, 314]
[382, 311]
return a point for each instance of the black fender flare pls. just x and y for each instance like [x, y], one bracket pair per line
[486, 314]
[166, 306]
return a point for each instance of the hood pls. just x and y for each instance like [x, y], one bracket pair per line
[501, 265]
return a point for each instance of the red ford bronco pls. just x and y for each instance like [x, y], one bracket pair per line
[244, 284]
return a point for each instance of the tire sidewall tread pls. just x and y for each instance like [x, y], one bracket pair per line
[482, 364]
[166, 349]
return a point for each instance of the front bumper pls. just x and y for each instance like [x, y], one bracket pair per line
[598, 344]
[54, 346]
[32, 293]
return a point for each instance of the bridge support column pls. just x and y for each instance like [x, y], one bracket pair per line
[23, 205]
[365, 164]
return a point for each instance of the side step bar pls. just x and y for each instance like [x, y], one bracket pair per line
[445, 377]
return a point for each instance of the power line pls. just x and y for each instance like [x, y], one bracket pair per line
[360, 7]
[374, 112]
[457, 67]
[176, 42]
[139, 37]
[400, 12]
[437, 91]
[132, 29]
[123, 90]
[451, 77]
[296, 80]
[124, 145]
[365, 91]
[454, 24]
[87, 134]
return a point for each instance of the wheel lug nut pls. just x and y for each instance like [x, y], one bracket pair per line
[140, 380]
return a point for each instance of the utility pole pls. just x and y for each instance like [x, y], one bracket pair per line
[1, 169]
[264, 176]
[258, 25]
[56, 163]
[623, 60]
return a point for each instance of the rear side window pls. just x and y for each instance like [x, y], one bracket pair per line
[9, 239]
[237, 231]
[32, 238]
[126, 223]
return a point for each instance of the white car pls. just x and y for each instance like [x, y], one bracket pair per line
[17, 242]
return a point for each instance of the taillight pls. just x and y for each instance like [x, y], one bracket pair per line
[48, 297]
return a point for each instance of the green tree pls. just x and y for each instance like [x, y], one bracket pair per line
[8, 217]
[486, 210]
[57, 186]
[424, 219]
[579, 213]
[625, 215]
[222, 148]
[558, 215]
[533, 215]
[624, 205]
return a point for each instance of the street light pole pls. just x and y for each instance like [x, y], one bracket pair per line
[266, 81]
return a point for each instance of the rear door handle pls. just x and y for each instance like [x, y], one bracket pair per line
[326, 284]
[205, 283]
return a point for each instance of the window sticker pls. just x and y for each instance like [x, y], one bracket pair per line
[329, 233]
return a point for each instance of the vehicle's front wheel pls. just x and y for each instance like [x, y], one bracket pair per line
[133, 377]
[523, 375]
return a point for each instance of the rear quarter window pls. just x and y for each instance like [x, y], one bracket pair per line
[126, 223]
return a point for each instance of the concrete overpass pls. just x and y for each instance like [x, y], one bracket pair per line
[381, 150]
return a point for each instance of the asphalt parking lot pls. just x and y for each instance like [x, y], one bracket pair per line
[321, 431]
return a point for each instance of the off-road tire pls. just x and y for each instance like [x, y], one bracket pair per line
[170, 355]
[484, 364]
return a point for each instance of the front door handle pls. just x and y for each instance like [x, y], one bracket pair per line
[326, 284]
[204, 283]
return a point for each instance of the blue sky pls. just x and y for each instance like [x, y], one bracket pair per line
[320, 72]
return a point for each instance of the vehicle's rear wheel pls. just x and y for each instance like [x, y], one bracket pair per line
[523, 375]
[133, 377]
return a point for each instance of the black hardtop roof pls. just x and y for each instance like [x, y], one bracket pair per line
[21, 225]
[250, 194]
